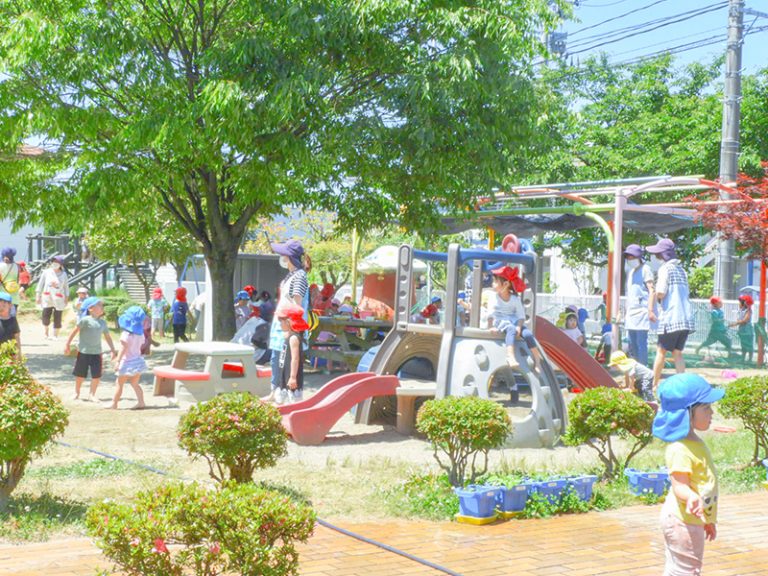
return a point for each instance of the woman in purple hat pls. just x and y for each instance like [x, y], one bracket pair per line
[675, 310]
[52, 295]
[640, 307]
[294, 290]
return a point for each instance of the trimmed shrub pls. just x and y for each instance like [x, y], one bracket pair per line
[189, 529]
[30, 417]
[599, 414]
[236, 433]
[460, 428]
[116, 305]
[747, 399]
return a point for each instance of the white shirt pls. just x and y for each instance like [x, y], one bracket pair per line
[511, 309]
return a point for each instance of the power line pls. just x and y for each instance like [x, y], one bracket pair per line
[618, 31]
[618, 17]
[710, 8]
[585, 5]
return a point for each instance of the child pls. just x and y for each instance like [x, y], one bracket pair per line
[603, 352]
[25, 279]
[242, 308]
[431, 313]
[82, 295]
[744, 323]
[90, 326]
[689, 514]
[507, 315]
[637, 377]
[180, 310]
[157, 306]
[572, 329]
[291, 360]
[718, 331]
[130, 363]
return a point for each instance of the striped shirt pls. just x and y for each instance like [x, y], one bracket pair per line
[294, 284]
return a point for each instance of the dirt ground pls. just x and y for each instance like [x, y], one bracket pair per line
[355, 460]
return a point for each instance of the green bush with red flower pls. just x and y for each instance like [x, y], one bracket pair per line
[236, 433]
[30, 417]
[179, 529]
[459, 429]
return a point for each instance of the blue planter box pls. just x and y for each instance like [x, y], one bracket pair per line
[513, 498]
[582, 485]
[552, 488]
[477, 501]
[653, 482]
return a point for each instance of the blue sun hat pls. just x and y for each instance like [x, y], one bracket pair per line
[88, 303]
[242, 295]
[132, 320]
[5, 297]
[677, 394]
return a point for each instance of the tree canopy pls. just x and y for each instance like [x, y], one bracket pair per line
[219, 111]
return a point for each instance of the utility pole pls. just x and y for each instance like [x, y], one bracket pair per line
[725, 265]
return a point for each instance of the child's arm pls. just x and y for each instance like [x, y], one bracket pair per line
[293, 381]
[627, 382]
[111, 344]
[69, 340]
[681, 486]
[121, 354]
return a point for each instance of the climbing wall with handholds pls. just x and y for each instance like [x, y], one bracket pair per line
[475, 360]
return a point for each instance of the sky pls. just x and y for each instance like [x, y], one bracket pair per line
[695, 29]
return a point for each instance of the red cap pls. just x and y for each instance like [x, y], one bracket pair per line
[511, 275]
[295, 314]
[715, 300]
[747, 299]
[250, 289]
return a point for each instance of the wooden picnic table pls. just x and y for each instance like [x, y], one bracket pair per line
[348, 346]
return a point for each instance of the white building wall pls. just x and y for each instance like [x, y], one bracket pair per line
[16, 239]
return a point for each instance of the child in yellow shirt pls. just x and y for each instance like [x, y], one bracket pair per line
[689, 514]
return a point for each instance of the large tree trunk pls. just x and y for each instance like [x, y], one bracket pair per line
[221, 262]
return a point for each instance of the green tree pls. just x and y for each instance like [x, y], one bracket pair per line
[154, 240]
[222, 111]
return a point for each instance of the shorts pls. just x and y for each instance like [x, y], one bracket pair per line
[48, 312]
[684, 545]
[671, 341]
[85, 362]
[158, 324]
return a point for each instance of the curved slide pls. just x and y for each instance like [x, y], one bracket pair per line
[310, 420]
[585, 371]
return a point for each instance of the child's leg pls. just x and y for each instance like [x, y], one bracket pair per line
[118, 391]
[137, 389]
[684, 548]
[78, 384]
[92, 392]
[183, 334]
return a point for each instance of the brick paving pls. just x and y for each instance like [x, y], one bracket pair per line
[623, 542]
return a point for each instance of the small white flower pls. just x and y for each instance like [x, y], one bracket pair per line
[27, 508]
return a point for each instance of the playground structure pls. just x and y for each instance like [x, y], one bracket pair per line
[466, 360]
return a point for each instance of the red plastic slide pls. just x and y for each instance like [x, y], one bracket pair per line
[310, 420]
[574, 360]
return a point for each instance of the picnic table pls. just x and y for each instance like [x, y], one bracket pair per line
[228, 367]
[353, 337]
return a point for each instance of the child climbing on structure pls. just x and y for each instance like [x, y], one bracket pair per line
[507, 314]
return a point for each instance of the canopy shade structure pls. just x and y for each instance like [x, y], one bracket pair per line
[529, 225]
[384, 259]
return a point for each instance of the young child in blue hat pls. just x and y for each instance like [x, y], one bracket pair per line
[689, 514]
[91, 327]
[130, 362]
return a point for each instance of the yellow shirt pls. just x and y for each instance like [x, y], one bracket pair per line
[693, 458]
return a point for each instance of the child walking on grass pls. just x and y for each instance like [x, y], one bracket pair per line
[291, 360]
[718, 331]
[130, 362]
[689, 514]
[507, 315]
[90, 326]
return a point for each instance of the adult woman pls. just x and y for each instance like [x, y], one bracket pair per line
[9, 274]
[640, 308]
[294, 289]
[52, 295]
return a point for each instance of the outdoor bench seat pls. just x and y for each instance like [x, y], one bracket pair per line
[179, 374]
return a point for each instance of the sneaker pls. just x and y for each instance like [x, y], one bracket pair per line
[295, 396]
[280, 396]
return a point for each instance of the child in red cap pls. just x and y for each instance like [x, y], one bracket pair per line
[718, 331]
[744, 324]
[291, 360]
[180, 311]
[508, 315]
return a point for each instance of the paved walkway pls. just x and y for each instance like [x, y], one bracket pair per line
[622, 542]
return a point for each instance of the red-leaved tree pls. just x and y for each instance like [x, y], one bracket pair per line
[744, 220]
